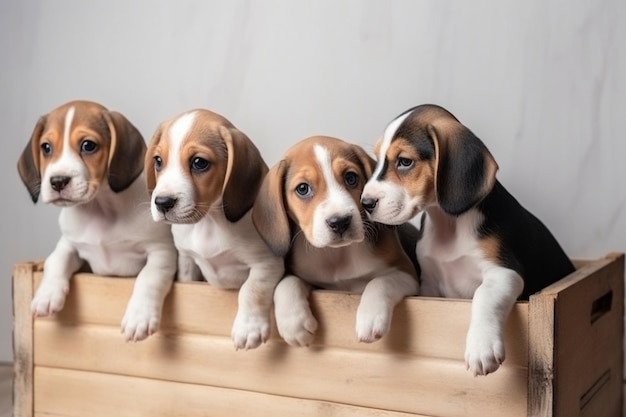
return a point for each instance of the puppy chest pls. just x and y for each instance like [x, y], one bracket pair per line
[456, 278]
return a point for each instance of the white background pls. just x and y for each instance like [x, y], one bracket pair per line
[541, 82]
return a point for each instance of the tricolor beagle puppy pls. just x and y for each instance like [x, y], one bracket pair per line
[477, 240]
[308, 210]
[89, 161]
[204, 175]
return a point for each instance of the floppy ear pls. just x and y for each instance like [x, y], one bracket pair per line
[149, 174]
[28, 164]
[465, 169]
[126, 155]
[269, 215]
[244, 173]
[369, 164]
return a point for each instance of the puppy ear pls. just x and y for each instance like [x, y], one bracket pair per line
[149, 173]
[28, 164]
[244, 173]
[126, 155]
[269, 215]
[369, 164]
[465, 169]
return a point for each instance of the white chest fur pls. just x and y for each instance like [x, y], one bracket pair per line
[223, 259]
[450, 258]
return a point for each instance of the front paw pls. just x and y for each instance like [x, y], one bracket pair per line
[372, 323]
[298, 329]
[483, 353]
[49, 299]
[250, 331]
[140, 321]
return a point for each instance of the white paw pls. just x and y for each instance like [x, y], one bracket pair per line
[49, 299]
[297, 329]
[250, 331]
[372, 323]
[140, 321]
[483, 353]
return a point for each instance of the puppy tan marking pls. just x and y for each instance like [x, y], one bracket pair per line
[308, 210]
[204, 175]
[89, 160]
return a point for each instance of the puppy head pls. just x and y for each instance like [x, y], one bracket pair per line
[427, 157]
[197, 163]
[75, 149]
[315, 189]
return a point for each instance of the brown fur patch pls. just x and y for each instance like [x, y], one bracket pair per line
[490, 246]
[419, 180]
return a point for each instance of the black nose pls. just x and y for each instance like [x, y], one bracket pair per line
[165, 204]
[59, 182]
[339, 224]
[369, 204]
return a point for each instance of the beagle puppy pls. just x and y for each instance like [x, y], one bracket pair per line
[204, 175]
[89, 160]
[477, 241]
[308, 210]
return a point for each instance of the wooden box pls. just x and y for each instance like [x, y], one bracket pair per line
[564, 356]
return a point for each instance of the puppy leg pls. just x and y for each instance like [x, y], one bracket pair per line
[491, 305]
[143, 311]
[373, 317]
[58, 269]
[294, 319]
[252, 324]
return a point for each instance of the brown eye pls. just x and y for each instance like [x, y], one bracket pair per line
[404, 163]
[351, 179]
[199, 164]
[46, 149]
[303, 189]
[88, 146]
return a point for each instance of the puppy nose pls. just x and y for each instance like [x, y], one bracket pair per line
[165, 204]
[339, 224]
[59, 182]
[369, 204]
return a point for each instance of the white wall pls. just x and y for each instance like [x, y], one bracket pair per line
[542, 83]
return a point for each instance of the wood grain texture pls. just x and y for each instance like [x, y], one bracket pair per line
[23, 339]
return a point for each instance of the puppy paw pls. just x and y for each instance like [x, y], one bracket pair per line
[250, 332]
[298, 330]
[372, 324]
[483, 354]
[140, 321]
[49, 299]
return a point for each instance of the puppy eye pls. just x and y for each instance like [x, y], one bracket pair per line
[158, 163]
[88, 146]
[351, 179]
[199, 164]
[404, 163]
[303, 189]
[46, 148]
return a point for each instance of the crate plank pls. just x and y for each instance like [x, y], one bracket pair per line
[103, 395]
[201, 309]
[22, 340]
[371, 379]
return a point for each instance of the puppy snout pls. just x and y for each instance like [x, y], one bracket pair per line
[339, 224]
[59, 182]
[369, 204]
[165, 204]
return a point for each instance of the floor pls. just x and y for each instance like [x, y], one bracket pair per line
[6, 376]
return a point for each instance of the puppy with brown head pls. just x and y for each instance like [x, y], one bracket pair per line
[89, 160]
[477, 241]
[204, 175]
[308, 210]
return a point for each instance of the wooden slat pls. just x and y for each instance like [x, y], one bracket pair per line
[390, 381]
[22, 340]
[104, 395]
[541, 356]
[589, 342]
[432, 327]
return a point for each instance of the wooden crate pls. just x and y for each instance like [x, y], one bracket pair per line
[564, 356]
